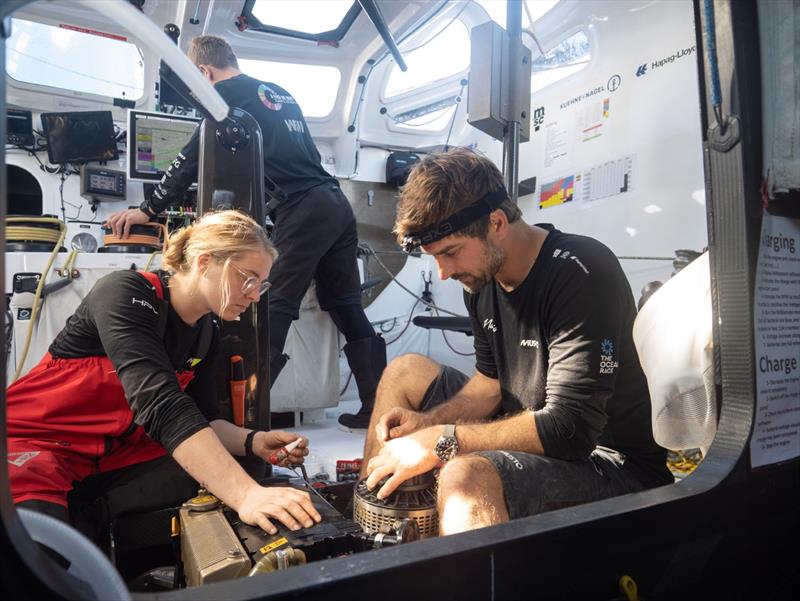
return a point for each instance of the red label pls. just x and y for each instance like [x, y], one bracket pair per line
[102, 34]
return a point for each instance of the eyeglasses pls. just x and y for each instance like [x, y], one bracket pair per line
[251, 282]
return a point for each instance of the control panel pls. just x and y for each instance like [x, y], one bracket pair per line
[98, 184]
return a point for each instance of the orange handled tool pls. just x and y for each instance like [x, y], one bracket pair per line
[238, 388]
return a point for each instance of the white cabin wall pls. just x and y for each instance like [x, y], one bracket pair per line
[653, 118]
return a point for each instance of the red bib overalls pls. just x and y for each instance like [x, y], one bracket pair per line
[69, 419]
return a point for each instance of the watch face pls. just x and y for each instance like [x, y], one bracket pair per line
[446, 448]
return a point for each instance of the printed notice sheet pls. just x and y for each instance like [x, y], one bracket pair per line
[776, 436]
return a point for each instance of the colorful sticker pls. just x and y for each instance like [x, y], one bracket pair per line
[557, 192]
[266, 96]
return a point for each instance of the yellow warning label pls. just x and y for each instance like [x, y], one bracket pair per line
[273, 545]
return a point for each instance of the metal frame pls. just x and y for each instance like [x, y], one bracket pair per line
[334, 35]
[722, 532]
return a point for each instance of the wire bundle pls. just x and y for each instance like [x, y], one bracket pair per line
[25, 229]
[151, 235]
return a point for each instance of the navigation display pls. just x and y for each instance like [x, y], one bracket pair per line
[154, 140]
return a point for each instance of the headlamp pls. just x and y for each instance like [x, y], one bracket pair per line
[456, 222]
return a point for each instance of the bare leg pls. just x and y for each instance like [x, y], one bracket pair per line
[403, 384]
[470, 495]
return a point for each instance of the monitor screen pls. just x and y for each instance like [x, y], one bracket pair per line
[80, 137]
[154, 140]
[167, 95]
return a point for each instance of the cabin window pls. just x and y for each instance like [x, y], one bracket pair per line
[443, 55]
[314, 87]
[531, 10]
[321, 20]
[429, 121]
[63, 57]
[568, 57]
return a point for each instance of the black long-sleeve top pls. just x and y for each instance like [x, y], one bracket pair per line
[291, 158]
[119, 318]
[561, 345]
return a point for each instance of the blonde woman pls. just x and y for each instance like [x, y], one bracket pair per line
[129, 382]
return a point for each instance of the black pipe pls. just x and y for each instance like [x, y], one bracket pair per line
[374, 14]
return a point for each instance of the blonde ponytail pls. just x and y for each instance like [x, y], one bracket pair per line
[223, 234]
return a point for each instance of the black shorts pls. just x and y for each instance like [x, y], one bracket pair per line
[317, 239]
[536, 483]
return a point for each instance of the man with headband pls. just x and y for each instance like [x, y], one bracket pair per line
[558, 411]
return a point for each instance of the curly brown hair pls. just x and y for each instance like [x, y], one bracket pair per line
[446, 182]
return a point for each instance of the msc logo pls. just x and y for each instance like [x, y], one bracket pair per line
[642, 70]
[538, 118]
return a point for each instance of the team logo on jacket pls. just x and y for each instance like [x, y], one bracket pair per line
[607, 362]
[143, 303]
[269, 98]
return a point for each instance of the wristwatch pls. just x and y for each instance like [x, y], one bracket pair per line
[447, 446]
[147, 209]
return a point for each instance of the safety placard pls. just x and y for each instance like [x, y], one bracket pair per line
[776, 435]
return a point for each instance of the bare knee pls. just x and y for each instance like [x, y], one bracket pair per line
[467, 475]
[470, 495]
[405, 381]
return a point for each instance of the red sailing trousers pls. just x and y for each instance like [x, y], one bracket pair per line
[69, 419]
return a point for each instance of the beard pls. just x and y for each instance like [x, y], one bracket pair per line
[492, 259]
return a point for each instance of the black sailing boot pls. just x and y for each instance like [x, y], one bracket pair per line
[367, 359]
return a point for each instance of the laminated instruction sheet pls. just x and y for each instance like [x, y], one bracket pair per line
[776, 312]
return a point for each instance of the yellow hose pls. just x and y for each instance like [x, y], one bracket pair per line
[38, 294]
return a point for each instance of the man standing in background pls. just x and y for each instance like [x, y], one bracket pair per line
[315, 229]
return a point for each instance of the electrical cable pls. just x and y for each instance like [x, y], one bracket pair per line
[405, 327]
[409, 291]
[38, 294]
[32, 152]
[150, 260]
[450, 346]
[65, 173]
[22, 233]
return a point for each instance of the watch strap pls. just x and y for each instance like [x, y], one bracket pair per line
[147, 209]
[248, 443]
[447, 446]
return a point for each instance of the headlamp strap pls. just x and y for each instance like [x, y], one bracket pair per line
[456, 222]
